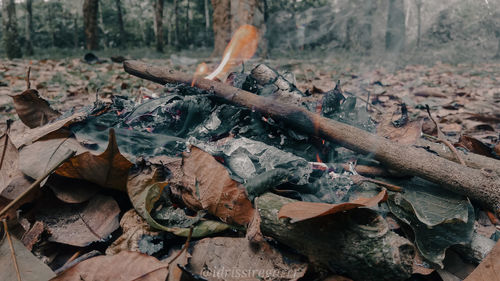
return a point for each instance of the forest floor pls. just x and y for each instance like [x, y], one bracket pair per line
[464, 99]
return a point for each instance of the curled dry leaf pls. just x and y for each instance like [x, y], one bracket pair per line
[134, 228]
[12, 180]
[235, 259]
[208, 186]
[79, 225]
[126, 266]
[33, 110]
[474, 145]
[32, 135]
[300, 211]
[9, 169]
[145, 188]
[108, 169]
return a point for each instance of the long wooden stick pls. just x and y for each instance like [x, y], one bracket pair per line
[68, 155]
[482, 186]
[12, 251]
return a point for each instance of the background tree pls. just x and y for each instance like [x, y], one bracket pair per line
[396, 28]
[159, 24]
[121, 28]
[29, 27]
[221, 25]
[10, 35]
[90, 8]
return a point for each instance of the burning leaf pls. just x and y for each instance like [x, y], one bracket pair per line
[300, 211]
[122, 266]
[209, 187]
[245, 262]
[33, 110]
[489, 268]
[439, 218]
[80, 224]
[109, 169]
[30, 267]
[145, 188]
[242, 47]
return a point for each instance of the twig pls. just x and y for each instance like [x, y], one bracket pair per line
[28, 84]
[482, 186]
[442, 138]
[186, 245]
[12, 251]
[4, 150]
[36, 183]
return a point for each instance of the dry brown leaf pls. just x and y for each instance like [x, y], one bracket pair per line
[489, 268]
[80, 225]
[300, 211]
[9, 169]
[125, 266]
[33, 110]
[474, 145]
[235, 259]
[30, 136]
[109, 169]
[208, 186]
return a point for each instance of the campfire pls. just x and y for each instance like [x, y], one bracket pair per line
[248, 154]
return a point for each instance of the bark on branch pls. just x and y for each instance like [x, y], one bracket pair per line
[482, 185]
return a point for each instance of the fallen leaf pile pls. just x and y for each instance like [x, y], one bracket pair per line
[158, 189]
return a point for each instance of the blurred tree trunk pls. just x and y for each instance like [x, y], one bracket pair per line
[242, 12]
[10, 35]
[159, 25]
[221, 25]
[29, 27]
[121, 27]
[52, 28]
[396, 29]
[75, 30]
[188, 18]
[90, 24]
[176, 15]
[419, 21]
[207, 17]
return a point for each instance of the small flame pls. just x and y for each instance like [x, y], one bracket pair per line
[240, 49]
[318, 159]
[201, 70]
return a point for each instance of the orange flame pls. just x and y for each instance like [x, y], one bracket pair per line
[241, 48]
[201, 70]
[318, 159]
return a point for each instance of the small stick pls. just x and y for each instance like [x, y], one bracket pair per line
[12, 252]
[28, 84]
[6, 142]
[186, 245]
[442, 138]
[36, 183]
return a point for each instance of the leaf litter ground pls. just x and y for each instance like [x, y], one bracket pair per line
[151, 121]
